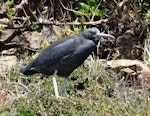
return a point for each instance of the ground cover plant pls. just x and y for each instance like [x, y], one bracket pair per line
[28, 26]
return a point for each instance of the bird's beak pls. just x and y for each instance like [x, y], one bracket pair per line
[103, 35]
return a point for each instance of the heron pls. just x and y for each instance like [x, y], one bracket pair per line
[65, 55]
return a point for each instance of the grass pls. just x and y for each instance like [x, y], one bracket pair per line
[92, 91]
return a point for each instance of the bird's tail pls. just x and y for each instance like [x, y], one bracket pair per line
[28, 70]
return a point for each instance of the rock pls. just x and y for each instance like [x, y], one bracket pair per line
[6, 33]
[34, 38]
[129, 46]
[6, 62]
[122, 63]
[47, 35]
[133, 72]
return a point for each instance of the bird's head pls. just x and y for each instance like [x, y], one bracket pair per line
[94, 34]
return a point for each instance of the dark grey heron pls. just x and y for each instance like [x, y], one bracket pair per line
[65, 55]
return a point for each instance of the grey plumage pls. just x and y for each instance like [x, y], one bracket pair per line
[66, 54]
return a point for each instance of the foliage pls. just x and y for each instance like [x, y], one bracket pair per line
[91, 89]
[9, 2]
[5, 112]
[1, 27]
[11, 11]
[89, 8]
[89, 93]
[34, 26]
[26, 18]
[44, 44]
[148, 15]
[23, 112]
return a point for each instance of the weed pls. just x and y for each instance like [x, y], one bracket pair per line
[91, 91]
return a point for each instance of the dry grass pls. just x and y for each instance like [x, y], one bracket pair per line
[91, 91]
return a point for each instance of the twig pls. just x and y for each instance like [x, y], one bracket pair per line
[47, 22]
[21, 5]
[19, 83]
[95, 11]
[8, 46]
[146, 51]
[14, 33]
[31, 49]
[26, 15]
[73, 10]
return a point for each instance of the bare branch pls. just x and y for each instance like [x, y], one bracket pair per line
[48, 22]
[146, 51]
[21, 5]
[95, 11]
[73, 10]
[14, 33]
[8, 46]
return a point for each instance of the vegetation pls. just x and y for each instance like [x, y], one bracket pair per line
[89, 93]
[92, 90]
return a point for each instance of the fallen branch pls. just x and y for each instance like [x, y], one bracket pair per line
[8, 46]
[4, 44]
[47, 22]
[14, 33]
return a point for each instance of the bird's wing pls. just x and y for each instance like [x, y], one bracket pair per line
[58, 51]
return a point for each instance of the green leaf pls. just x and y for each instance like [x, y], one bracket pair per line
[11, 21]
[83, 7]
[148, 15]
[44, 44]
[92, 2]
[9, 2]
[23, 112]
[2, 27]
[5, 112]
[34, 27]
[78, 13]
[26, 18]
[97, 12]
[103, 12]
[92, 9]
[34, 12]
[45, 10]
[11, 11]
[81, 19]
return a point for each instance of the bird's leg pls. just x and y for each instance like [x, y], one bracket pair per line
[63, 87]
[55, 83]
